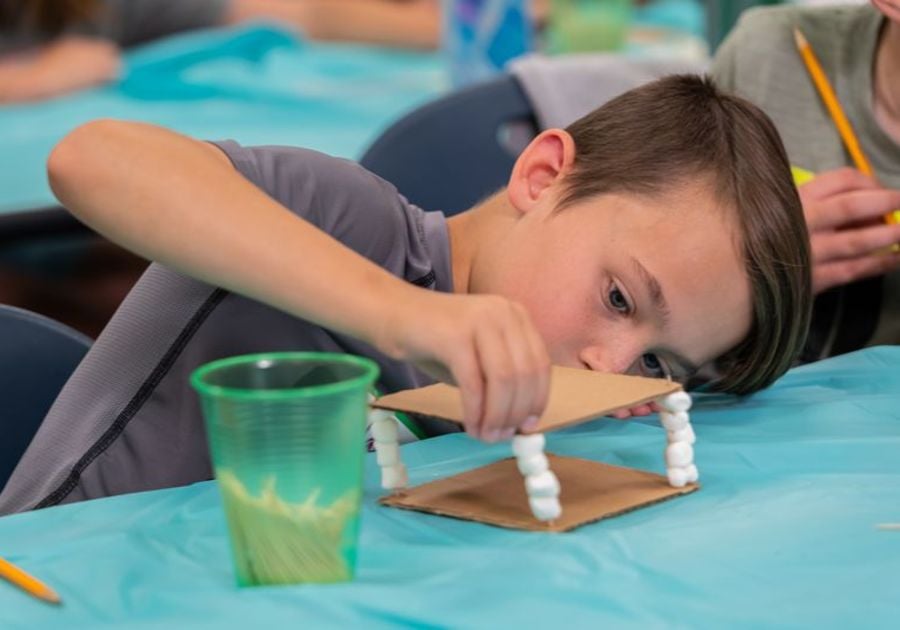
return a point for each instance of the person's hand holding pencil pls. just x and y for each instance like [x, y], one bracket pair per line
[841, 207]
[848, 236]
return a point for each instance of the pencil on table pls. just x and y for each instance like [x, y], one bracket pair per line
[826, 92]
[27, 583]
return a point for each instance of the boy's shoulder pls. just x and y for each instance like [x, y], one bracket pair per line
[356, 207]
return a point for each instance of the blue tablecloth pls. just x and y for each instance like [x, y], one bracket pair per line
[257, 85]
[781, 534]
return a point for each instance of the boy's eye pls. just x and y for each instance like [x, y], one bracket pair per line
[652, 366]
[617, 300]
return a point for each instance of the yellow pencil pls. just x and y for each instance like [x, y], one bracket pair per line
[836, 112]
[27, 583]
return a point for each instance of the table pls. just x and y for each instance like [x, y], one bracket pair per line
[257, 84]
[782, 533]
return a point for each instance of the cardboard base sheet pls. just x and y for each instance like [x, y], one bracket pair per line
[495, 494]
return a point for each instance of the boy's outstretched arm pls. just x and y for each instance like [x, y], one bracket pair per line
[180, 202]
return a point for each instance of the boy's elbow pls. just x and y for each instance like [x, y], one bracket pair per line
[78, 156]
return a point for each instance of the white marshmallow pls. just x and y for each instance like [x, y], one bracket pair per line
[676, 401]
[379, 415]
[385, 430]
[527, 445]
[387, 453]
[693, 475]
[674, 421]
[544, 484]
[545, 508]
[533, 464]
[679, 455]
[683, 435]
[678, 477]
[394, 477]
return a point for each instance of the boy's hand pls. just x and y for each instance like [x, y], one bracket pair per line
[636, 412]
[845, 215]
[487, 346]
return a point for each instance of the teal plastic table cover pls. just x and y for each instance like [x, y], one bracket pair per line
[257, 84]
[782, 534]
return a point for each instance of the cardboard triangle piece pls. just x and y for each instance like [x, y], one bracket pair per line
[495, 494]
[575, 396]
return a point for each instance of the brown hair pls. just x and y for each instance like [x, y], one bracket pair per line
[653, 137]
[47, 17]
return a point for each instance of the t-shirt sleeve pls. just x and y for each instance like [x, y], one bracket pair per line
[338, 196]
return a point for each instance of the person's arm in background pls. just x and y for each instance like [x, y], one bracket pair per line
[404, 23]
[180, 201]
[67, 64]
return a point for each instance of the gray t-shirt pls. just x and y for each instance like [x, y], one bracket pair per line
[760, 62]
[128, 22]
[128, 420]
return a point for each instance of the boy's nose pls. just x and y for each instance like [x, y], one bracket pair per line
[616, 360]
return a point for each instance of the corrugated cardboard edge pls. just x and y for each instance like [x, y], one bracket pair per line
[444, 402]
[405, 500]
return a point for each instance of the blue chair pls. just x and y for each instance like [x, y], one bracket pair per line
[453, 152]
[37, 355]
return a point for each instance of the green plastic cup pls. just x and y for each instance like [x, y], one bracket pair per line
[287, 437]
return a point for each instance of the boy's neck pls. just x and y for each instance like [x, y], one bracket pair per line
[886, 73]
[472, 231]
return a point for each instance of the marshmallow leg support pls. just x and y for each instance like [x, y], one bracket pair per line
[545, 508]
[541, 484]
[387, 450]
[394, 477]
[679, 453]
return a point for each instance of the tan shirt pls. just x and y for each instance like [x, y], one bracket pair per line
[759, 61]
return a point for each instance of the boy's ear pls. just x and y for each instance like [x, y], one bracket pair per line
[540, 168]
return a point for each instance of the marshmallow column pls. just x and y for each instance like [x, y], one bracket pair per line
[387, 449]
[541, 484]
[680, 466]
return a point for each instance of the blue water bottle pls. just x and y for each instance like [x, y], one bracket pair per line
[480, 36]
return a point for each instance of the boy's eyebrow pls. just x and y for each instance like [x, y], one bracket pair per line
[655, 291]
[662, 307]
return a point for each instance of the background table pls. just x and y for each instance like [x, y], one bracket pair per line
[781, 534]
[257, 85]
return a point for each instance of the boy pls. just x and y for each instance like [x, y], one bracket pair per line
[657, 234]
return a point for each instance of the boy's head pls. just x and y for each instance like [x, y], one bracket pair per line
[656, 234]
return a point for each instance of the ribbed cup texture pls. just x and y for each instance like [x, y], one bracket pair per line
[287, 442]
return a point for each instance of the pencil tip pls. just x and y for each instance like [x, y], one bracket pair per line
[799, 38]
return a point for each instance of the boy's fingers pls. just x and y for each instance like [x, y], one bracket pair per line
[859, 206]
[854, 243]
[641, 410]
[468, 377]
[499, 381]
[538, 369]
[523, 374]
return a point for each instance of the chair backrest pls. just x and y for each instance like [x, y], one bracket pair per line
[451, 153]
[37, 355]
